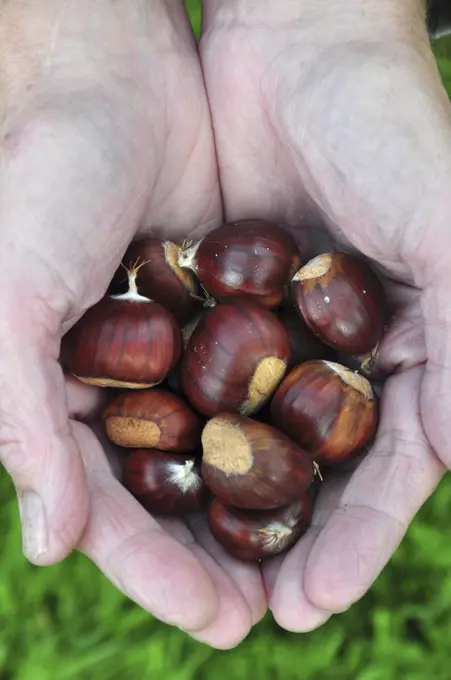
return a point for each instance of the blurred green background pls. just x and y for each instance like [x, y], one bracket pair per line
[67, 622]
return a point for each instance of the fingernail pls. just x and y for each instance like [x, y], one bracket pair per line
[34, 525]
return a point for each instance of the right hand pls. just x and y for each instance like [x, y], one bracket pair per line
[341, 122]
[105, 131]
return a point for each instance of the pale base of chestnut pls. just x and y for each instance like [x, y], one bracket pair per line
[108, 382]
[266, 378]
[132, 433]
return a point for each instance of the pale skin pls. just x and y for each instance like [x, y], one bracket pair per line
[324, 113]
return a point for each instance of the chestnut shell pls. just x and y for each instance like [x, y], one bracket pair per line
[249, 257]
[234, 359]
[326, 409]
[253, 534]
[123, 343]
[153, 418]
[165, 483]
[342, 300]
[252, 465]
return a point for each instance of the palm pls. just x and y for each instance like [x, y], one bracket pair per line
[336, 150]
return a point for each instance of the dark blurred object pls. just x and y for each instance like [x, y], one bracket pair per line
[439, 18]
[304, 345]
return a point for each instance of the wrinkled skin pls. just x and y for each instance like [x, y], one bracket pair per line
[340, 129]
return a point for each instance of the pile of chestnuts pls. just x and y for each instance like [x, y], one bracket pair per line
[239, 374]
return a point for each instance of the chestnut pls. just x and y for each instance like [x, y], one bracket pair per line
[304, 344]
[257, 534]
[250, 257]
[342, 300]
[125, 340]
[234, 359]
[252, 465]
[165, 483]
[154, 419]
[327, 409]
[160, 277]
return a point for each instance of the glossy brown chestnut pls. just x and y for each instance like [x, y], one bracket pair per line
[258, 534]
[124, 341]
[160, 277]
[303, 344]
[327, 409]
[234, 359]
[165, 483]
[155, 419]
[251, 465]
[341, 299]
[245, 258]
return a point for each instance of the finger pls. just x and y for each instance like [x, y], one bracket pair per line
[234, 618]
[377, 505]
[403, 345]
[290, 607]
[284, 575]
[246, 577]
[186, 200]
[84, 402]
[156, 571]
[36, 446]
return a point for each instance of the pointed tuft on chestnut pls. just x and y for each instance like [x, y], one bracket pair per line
[259, 534]
[341, 299]
[154, 419]
[234, 359]
[251, 465]
[160, 278]
[126, 341]
[249, 257]
[164, 483]
[326, 409]
[365, 364]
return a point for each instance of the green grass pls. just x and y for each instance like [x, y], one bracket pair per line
[68, 623]
[194, 9]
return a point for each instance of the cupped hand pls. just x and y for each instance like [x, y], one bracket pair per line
[105, 131]
[330, 117]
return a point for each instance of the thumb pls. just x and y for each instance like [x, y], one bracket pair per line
[36, 445]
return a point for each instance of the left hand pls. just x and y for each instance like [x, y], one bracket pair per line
[332, 115]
